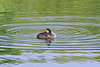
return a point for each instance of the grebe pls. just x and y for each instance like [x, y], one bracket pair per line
[46, 35]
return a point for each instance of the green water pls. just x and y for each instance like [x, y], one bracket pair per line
[75, 22]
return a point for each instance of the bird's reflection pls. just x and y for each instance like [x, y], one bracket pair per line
[48, 41]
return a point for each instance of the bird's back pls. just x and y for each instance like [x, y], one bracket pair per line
[45, 35]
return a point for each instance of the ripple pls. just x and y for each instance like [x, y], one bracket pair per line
[70, 36]
[55, 18]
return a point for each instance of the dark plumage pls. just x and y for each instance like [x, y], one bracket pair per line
[46, 35]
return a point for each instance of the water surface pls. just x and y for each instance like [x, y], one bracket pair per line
[76, 24]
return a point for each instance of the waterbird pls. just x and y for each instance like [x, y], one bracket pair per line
[46, 35]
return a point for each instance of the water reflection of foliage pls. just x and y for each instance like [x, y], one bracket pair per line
[65, 59]
[12, 61]
[39, 60]
[55, 7]
[4, 30]
[61, 59]
[43, 58]
[10, 51]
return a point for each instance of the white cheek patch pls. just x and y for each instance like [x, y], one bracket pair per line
[47, 31]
